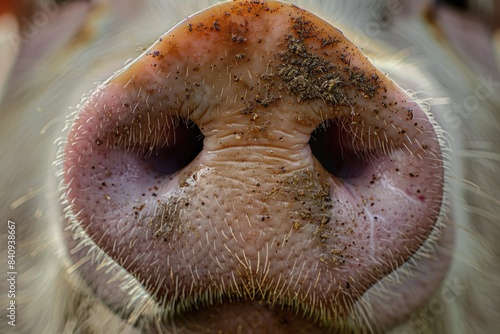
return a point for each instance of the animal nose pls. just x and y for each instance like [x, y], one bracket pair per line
[252, 159]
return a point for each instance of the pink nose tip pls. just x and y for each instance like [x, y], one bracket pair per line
[253, 159]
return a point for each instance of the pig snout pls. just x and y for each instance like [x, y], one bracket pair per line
[253, 164]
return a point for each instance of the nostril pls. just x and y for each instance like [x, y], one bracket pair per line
[333, 146]
[184, 144]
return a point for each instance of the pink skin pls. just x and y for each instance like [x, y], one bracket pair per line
[255, 216]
